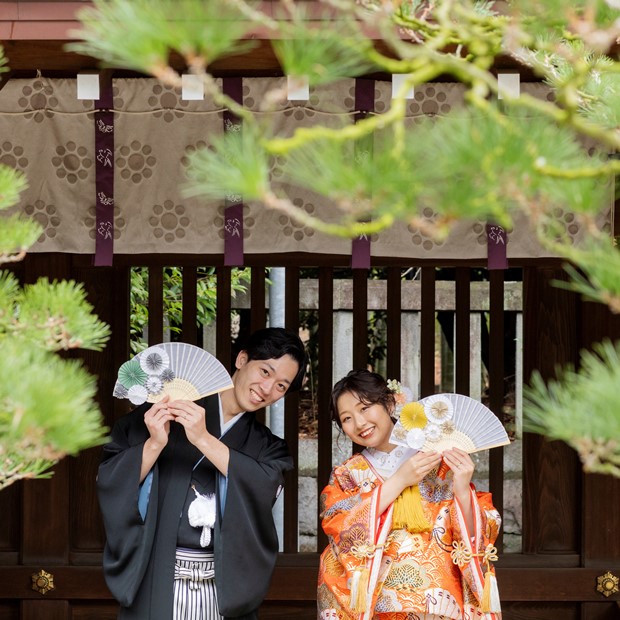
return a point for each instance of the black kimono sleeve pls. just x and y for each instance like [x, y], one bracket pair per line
[246, 545]
[129, 538]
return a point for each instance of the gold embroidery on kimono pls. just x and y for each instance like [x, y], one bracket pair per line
[406, 575]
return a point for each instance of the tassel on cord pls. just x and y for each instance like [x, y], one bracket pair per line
[409, 513]
[490, 595]
[461, 555]
[359, 589]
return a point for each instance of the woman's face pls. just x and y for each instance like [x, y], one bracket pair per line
[366, 425]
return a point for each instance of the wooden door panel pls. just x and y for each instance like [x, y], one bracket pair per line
[570, 520]
[86, 532]
[540, 611]
[273, 611]
[9, 610]
[10, 527]
[45, 610]
[551, 470]
[45, 518]
[601, 611]
[94, 611]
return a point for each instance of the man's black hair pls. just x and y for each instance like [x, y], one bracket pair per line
[275, 342]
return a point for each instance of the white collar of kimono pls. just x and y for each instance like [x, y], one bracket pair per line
[226, 426]
[386, 463]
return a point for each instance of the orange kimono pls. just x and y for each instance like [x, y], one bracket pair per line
[392, 574]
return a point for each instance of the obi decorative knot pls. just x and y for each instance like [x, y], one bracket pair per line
[194, 575]
[461, 555]
[364, 550]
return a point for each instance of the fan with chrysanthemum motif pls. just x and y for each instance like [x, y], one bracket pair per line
[445, 421]
[180, 370]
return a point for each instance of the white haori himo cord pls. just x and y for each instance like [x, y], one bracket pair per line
[201, 513]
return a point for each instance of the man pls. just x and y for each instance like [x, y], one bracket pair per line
[186, 491]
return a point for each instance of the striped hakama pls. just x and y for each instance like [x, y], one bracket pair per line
[195, 597]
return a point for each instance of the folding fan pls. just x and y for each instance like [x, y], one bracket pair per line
[444, 421]
[180, 370]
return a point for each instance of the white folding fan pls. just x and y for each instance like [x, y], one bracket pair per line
[178, 369]
[444, 421]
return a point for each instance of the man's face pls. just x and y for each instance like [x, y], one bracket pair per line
[259, 383]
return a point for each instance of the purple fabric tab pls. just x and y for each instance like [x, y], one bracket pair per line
[233, 235]
[364, 104]
[497, 240]
[364, 97]
[360, 253]
[233, 211]
[104, 173]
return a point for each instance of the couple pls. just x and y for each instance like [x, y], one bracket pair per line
[187, 489]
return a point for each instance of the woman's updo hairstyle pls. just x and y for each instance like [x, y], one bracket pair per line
[371, 388]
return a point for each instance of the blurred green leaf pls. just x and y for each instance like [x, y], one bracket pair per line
[47, 410]
[141, 34]
[235, 165]
[579, 409]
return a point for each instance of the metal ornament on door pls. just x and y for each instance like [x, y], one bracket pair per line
[42, 582]
[607, 584]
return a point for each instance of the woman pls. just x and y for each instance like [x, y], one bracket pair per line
[404, 543]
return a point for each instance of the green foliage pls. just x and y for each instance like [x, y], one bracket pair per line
[141, 34]
[581, 410]
[492, 183]
[206, 298]
[47, 410]
[47, 407]
[594, 73]
[17, 233]
[597, 277]
[12, 183]
[236, 165]
[563, 17]
[54, 315]
[322, 54]
[487, 161]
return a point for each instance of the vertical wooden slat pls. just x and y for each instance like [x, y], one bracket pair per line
[291, 419]
[223, 342]
[45, 516]
[496, 386]
[601, 494]
[119, 342]
[427, 333]
[325, 379]
[462, 329]
[100, 284]
[190, 305]
[258, 317]
[393, 323]
[551, 470]
[156, 305]
[360, 318]
[11, 497]
[258, 311]
[360, 324]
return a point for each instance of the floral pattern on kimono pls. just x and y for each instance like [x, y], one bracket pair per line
[409, 574]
